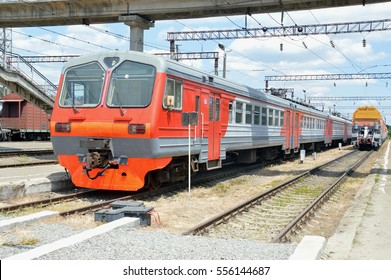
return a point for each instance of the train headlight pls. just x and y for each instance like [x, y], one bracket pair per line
[136, 128]
[62, 127]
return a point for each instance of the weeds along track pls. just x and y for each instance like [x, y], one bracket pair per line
[279, 212]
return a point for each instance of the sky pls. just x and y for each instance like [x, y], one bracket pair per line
[248, 60]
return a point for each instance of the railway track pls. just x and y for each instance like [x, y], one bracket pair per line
[279, 212]
[20, 158]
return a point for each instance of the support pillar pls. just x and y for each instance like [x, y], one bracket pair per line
[6, 47]
[137, 26]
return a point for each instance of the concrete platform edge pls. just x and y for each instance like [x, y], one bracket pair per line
[13, 222]
[310, 248]
[25, 187]
[65, 242]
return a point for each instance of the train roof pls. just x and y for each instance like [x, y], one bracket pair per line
[367, 113]
[187, 72]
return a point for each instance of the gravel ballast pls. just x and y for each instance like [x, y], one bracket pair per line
[128, 243]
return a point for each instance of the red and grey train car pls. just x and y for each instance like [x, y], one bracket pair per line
[23, 120]
[117, 121]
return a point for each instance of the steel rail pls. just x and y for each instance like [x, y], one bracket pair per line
[46, 201]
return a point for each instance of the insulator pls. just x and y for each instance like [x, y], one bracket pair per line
[305, 46]
[332, 43]
[364, 43]
[281, 47]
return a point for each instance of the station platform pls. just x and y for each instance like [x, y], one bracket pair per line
[25, 145]
[20, 181]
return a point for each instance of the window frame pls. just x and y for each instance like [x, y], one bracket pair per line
[175, 81]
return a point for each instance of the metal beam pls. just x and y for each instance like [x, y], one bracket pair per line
[295, 30]
[43, 58]
[355, 107]
[364, 76]
[65, 58]
[66, 12]
[349, 98]
[191, 55]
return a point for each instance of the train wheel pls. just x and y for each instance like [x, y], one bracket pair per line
[153, 182]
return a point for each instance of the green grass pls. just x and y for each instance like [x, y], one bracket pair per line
[304, 190]
[26, 241]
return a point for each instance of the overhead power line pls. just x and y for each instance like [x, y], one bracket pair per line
[295, 30]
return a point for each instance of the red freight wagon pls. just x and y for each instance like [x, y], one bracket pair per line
[25, 120]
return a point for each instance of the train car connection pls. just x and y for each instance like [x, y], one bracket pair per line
[117, 122]
[369, 128]
[21, 120]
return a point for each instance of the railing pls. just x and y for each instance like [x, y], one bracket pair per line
[28, 72]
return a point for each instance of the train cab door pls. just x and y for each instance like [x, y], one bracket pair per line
[211, 109]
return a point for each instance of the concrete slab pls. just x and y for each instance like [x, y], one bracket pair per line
[25, 145]
[310, 248]
[9, 223]
[65, 242]
[21, 181]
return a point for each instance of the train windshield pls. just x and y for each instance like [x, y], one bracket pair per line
[83, 86]
[131, 85]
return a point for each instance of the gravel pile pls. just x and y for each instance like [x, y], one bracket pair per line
[127, 243]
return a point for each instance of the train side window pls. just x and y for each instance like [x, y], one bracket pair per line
[256, 115]
[248, 114]
[270, 117]
[264, 116]
[230, 108]
[276, 118]
[173, 95]
[211, 108]
[281, 118]
[239, 112]
[217, 109]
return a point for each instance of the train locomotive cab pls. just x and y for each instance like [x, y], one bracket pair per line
[103, 128]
